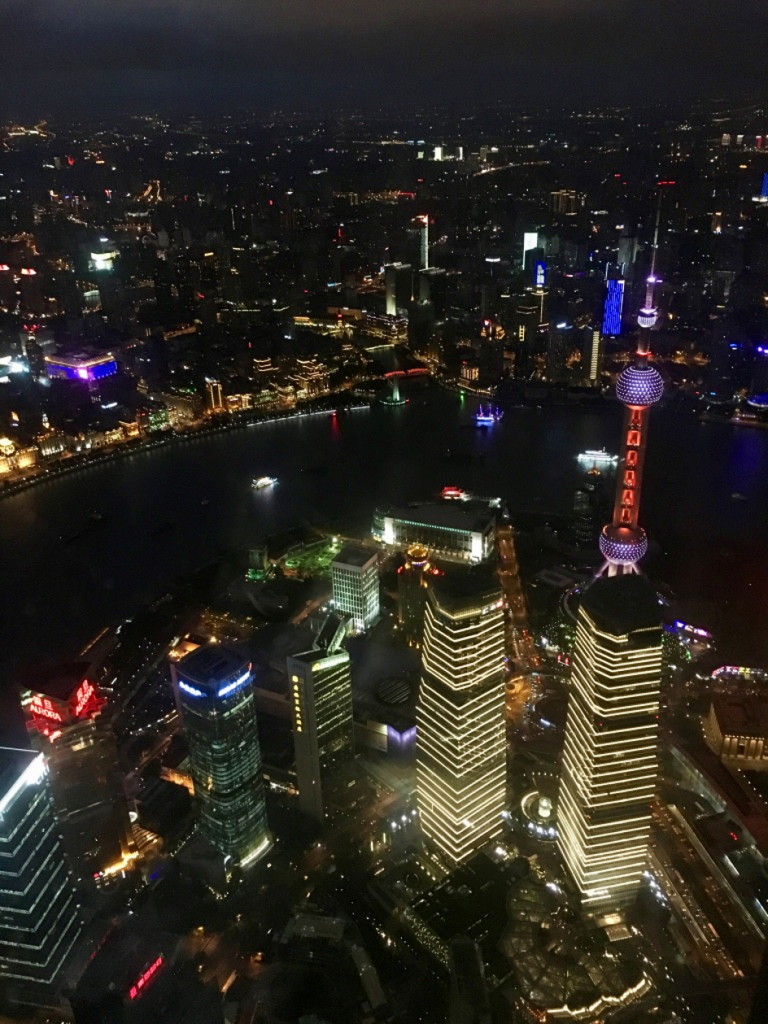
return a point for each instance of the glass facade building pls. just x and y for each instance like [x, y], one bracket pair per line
[460, 738]
[610, 757]
[321, 693]
[355, 583]
[215, 693]
[40, 921]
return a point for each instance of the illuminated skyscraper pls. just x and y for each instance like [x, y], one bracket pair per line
[398, 285]
[355, 583]
[69, 724]
[412, 580]
[614, 304]
[460, 759]
[39, 917]
[610, 757]
[321, 688]
[424, 242]
[215, 693]
[593, 348]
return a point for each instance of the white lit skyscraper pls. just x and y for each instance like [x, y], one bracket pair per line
[39, 917]
[321, 689]
[610, 757]
[461, 758]
[215, 693]
[355, 583]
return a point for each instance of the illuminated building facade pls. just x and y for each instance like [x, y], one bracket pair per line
[214, 687]
[623, 541]
[460, 740]
[81, 367]
[398, 287]
[355, 584]
[412, 582]
[614, 304]
[321, 691]
[610, 756]
[424, 242]
[214, 396]
[39, 918]
[453, 533]
[593, 350]
[68, 723]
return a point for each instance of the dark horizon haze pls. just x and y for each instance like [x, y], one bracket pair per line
[61, 57]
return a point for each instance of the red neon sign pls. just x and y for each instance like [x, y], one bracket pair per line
[145, 977]
[43, 707]
[83, 695]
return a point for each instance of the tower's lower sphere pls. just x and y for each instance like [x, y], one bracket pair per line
[623, 546]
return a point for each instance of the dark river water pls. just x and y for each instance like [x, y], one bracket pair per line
[57, 595]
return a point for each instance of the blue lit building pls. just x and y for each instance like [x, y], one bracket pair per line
[40, 920]
[614, 302]
[88, 368]
[215, 694]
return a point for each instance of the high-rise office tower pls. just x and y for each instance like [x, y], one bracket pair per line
[613, 306]
[593, 349]
[623, 541]
[610, 756]
[460, 754]
[215, 693]
[355, 583]
[559, 348]
[433, 288]
[398, 285]
[68, 722]
[321, 688]
[424, 241]
[627, 254]
[40, 921]
[412, 579]
[590, 507]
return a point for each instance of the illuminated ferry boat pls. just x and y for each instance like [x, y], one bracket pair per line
[487, 417]
[597, 457]
[260, 483]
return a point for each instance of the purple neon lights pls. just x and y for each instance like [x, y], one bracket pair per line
[647, 317]
[623, 547]
[640, 386]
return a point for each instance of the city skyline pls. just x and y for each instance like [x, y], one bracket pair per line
[352, 691]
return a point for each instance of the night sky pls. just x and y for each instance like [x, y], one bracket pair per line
[82, 56]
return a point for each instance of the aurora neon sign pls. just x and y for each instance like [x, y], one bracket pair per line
[150, 972]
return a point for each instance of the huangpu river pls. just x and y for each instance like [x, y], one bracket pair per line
[170, 510]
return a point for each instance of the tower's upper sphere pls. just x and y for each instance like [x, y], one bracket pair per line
[647, 317]
[639, 386]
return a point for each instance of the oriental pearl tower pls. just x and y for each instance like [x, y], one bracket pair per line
[623, 541]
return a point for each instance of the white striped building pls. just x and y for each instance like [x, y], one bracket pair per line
[461, 756]
[610, 757]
